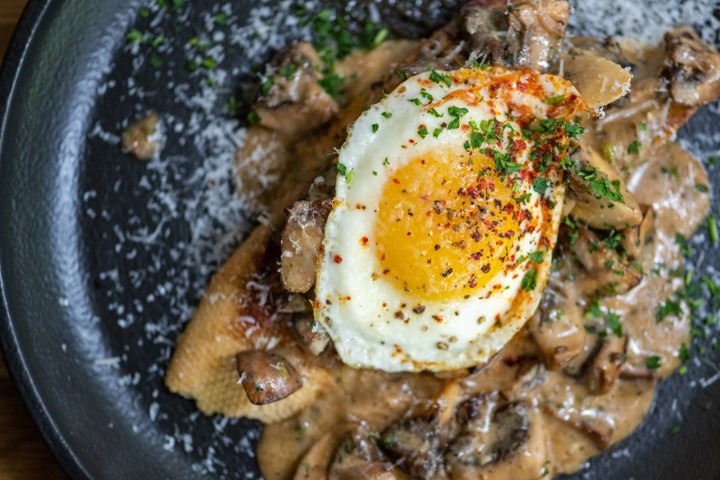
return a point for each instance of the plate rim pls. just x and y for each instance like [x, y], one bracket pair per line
[25, 32]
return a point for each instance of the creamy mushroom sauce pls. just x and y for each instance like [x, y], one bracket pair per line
[572, 422]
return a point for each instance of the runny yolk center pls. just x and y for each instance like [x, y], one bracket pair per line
[445, 226]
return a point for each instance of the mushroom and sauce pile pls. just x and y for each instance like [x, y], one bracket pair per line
[462, 247]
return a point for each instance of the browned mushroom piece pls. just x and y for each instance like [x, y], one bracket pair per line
[266, 377]
[593, 422]
[485, 25]
[694, 69]
[295, 102]
[414, 445]
[500, 440]
[601, 198]
[540, 26]
[301, 243]
[599, 80]
[357, 456]
[311, 335]
[557, 327]
[634, 238]
[143, 138]
[315, 462]
[607, 271]
[604, 368]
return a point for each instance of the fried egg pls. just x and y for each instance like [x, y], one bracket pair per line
[448, 202]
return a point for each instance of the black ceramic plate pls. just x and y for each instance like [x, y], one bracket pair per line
[103, 257]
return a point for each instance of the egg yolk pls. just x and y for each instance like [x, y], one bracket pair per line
[445, 226]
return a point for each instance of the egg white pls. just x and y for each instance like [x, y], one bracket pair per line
[358, 308]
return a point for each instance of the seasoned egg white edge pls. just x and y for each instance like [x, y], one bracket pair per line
[349, 301]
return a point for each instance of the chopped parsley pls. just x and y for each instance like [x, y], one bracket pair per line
[135, 36]
[701, 187]
[668, 307]
[440, 78]
[425, 94]
[614, 324]
[601, 187]
[713, 228]
[435, 113]
[555, 100]
[253, 117]
[523, 198]
[267, 85]
[386, 114]
[342, 169]
[529, 281]
[437, 132]
[476, 139]
[221, 18]
[288, 71]
[536, 256]
[541, 184]
[634, 147]
[504, 163]
[375, 127]
[456, 112]
[423, 131]
[652, 362]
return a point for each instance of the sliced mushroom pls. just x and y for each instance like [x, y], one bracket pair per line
[634, 238]
[357, 456]
[414, 444]
[594, 423]
[484, 25]
[500, 440]
[694, 68]
[295, 103]
[316, 461]
[558, 328]
[540, 26]
[604, 368]
[301, 244]
[599, 81]
[143, 138]
[601, 198]
[607, 271]
[266, 377]
[310, 334]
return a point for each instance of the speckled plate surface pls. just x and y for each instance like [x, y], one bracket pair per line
[103, 258]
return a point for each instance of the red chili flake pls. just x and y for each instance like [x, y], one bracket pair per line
[337, 259]
[395, 180]
[472, 192]
[476, 256]
[317, 304]
[518, 145]
[400, 315]
[472, 283]
[364, 241]
[411, 140]
[438, 318]
[384, 304]
[386, 271]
